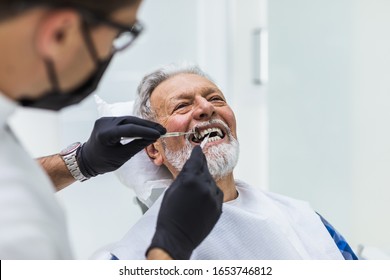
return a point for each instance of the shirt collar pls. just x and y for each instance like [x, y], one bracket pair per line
[7, 107]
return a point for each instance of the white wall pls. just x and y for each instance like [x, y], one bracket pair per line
[370, 109]
[248, 98]
[329, 111]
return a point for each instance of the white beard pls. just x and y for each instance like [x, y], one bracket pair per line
[221, 159]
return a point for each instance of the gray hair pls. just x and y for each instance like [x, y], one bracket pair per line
[150, 82]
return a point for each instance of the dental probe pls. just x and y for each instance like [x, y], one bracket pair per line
[174, 134]
[205, 140]
[125, 140]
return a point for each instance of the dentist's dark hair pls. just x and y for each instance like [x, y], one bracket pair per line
[11, 8]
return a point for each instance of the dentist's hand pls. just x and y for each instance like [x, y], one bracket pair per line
[190, 208]
[103, 152]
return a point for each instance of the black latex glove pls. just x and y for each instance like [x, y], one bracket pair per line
[190, 208]
[103, 152]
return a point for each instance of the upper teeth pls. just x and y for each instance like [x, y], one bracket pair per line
[204, 132]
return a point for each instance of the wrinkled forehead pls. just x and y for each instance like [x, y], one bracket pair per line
[181, 87]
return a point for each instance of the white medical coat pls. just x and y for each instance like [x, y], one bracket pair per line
[256, 225]
[32, 224]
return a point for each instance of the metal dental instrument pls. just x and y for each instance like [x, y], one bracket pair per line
[205, 140]
[174, 134]
[125, 140]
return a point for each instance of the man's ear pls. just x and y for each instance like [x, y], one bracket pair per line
[58, 34]
[153, 151]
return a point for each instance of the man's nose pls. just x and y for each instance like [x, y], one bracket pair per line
[204, 109]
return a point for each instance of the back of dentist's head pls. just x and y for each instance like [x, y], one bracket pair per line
[12, 8]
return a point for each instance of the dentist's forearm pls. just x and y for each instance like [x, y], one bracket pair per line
[158, 254]
[57, 171]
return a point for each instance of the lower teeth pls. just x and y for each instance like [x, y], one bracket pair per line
[215, 138]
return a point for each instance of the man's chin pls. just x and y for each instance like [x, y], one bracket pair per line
[222, 159]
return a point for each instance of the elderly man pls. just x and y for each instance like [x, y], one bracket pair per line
[254, 224]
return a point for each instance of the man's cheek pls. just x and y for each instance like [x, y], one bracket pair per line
[177, 124]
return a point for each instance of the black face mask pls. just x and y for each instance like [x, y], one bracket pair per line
[56, 99]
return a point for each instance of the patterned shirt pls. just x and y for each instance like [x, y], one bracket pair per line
[341, 243]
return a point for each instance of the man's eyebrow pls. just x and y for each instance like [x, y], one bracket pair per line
[180, 96]
[189, 94]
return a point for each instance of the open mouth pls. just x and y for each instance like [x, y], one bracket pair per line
[215, 134]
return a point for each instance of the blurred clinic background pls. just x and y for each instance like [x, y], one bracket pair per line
[309, 83]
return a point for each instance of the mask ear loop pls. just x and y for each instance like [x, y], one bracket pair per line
[88, 41]
[50, 68]
[51, 72]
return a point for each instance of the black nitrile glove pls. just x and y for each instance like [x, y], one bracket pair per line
[103, 152]
[190, 208]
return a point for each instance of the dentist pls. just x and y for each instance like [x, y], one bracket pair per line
[53, 54]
